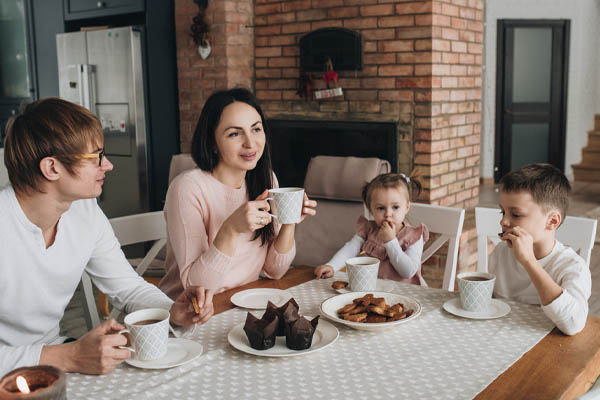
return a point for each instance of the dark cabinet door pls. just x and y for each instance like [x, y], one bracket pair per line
[17, 83]
[79, 9]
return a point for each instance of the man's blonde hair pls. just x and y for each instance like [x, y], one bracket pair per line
[44, 128]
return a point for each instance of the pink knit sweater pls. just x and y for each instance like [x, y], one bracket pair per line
[197, 204]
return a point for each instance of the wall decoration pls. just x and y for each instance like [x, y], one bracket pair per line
[199, 30]
[330, 77]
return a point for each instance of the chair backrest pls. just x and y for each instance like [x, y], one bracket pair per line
[336, 184]
[180, 163]
[448, 223]
[130, 229]
[575, 232]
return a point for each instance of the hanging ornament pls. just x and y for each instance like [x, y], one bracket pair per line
[204, 49]
[199, 30]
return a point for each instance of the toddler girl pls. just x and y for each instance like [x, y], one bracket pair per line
[389, 238]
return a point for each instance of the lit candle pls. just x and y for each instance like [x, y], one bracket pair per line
[41, 382]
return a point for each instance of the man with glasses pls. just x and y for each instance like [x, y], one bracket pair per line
[51, 230]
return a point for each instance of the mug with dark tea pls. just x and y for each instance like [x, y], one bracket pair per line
[475, 289]
[362, 273]
[148, 331]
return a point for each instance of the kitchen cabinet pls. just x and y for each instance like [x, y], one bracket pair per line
[80, 9]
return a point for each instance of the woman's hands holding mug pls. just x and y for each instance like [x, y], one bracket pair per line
[250, 216]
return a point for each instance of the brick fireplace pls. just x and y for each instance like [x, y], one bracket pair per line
[422, 64]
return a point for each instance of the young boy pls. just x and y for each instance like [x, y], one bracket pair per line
[530, 265]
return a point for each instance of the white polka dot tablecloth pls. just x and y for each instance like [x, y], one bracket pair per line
[435, 356]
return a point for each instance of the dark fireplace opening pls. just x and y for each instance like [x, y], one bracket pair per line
[294, 142]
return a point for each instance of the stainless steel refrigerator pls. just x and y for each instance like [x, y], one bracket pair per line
[102, 71]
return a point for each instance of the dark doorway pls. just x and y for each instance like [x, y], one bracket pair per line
[531, 93]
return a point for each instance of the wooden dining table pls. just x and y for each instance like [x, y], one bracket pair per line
[558, 367]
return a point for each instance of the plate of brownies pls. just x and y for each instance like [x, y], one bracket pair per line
[282, 332]
[371, 311]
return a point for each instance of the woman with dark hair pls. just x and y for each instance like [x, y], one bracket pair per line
[220, 232]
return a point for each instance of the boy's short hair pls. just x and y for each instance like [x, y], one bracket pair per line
[47, 127]
[548, 186]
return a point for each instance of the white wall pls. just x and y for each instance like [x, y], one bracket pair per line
[3, 173]
[584, 69]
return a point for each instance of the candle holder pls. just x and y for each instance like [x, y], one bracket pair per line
[45, 383]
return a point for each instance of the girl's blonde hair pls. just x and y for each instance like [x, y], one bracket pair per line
[392, 180]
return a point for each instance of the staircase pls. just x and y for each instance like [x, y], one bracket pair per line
[588, 170]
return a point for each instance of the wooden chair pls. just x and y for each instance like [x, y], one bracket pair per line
[130, 229]
[575, 232]
[448, 223]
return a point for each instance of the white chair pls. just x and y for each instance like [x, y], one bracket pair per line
[575, 232]
[448, 223]
[130, 229]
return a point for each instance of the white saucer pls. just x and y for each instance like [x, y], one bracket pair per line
[382, 285]
[325, 334]
[179, 352]
[257, 299]
[497, 309]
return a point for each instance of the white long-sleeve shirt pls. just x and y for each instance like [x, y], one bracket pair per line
[406, 263]
[569, 310]
[36, 283]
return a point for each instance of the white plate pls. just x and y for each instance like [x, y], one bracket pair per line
[179, 352]
[330, 306]
[383, 285]
[497, 309]
[257, 299]
[324, 336]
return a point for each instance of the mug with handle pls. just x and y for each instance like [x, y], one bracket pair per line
[148, 330]
[287, 204]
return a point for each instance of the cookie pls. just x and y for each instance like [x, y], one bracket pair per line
[339, 285]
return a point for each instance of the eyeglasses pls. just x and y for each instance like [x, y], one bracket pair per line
[99, 155]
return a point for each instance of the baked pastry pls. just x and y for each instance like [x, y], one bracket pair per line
[299, 333]
[280, 321]
[339, 285]
[261, 332]
[290, 308]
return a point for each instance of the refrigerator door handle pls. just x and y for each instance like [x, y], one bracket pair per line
[86, 87]
[80, 84]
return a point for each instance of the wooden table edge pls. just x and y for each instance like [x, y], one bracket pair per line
[545, 372]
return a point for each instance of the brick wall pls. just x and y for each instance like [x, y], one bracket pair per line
[375, 93]
[448, 121]
[230, 64]
[448, 115]
[422, 69]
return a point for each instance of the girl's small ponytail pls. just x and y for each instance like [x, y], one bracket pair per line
[413, 184]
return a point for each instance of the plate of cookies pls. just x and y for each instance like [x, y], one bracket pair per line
[371, 311]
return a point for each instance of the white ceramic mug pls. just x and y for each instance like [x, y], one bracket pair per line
[362, 273]
[287, 204]
[149, 341]
[475, 289]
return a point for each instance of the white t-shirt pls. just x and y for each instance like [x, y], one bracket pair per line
[569, 310]
[36, 283]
